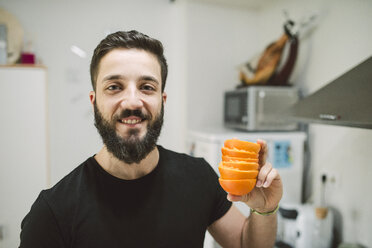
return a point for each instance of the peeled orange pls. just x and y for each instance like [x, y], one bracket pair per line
[242, 145]
[232, 173]
[238, 153]
[237, 187]
[228, 158]
[241, 165]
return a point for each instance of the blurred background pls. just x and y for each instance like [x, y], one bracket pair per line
[205, 43]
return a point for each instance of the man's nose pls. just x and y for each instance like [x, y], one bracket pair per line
[132, 98]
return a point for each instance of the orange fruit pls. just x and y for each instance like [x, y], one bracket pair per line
[242, 145]
[241, 165]
[238, 153]
[228, 158]
[237, 187]
[231, 173]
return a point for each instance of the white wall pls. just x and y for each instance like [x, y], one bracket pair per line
[341, 39]
[219, 39]
[55, 25]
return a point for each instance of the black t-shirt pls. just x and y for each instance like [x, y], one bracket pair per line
[172, 206]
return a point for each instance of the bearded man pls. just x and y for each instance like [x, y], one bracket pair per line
[133, 192]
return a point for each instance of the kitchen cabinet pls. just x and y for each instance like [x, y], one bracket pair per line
[24, 168]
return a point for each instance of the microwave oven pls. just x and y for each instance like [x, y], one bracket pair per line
[259, 108]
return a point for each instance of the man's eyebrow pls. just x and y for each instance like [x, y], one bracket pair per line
[149, 78]
[119, 77]
[112, 77]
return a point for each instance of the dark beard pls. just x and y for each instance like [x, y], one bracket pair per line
[131, 149]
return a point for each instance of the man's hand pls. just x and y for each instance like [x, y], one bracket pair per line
[266, 195]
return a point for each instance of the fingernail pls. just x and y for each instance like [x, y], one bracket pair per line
[228, 197]
[259, 183]
[266, 184]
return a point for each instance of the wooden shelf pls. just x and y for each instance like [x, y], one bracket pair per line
[23, 65]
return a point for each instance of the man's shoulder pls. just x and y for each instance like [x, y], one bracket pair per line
[174, 155]
[70, 184]
[184, 162]
[58, 204]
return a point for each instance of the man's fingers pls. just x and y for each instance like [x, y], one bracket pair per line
[263, 152]
[270, 177]
[262, 175]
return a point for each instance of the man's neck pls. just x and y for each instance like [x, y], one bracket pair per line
[126, 171]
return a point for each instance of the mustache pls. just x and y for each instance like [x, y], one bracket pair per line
[133, 112]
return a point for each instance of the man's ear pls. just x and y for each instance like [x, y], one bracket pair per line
[92, 97]
[164, 96]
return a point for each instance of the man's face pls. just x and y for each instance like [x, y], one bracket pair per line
[128, 103]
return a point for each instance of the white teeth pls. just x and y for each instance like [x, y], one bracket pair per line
[131, 121]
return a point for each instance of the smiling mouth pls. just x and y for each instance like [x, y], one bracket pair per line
[131, 121]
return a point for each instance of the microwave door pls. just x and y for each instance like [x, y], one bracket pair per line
[236, 110]
[269, 105]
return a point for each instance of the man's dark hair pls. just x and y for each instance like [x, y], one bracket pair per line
[130, 39]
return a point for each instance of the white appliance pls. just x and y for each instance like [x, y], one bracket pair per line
[286, 154]
[299, 226]
[258, 108]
